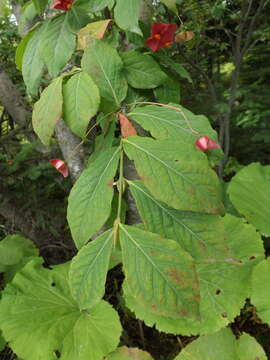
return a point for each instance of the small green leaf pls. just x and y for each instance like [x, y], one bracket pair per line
[88, 270]
[171, 4]
[125, 353]
[90, 199]
[2, 342]
[21, 49]
[58, 44]
[168, 92]
[249, 192]
[126, 13]
[176, 173]
[40, 6]
[108, 75]
[28, 14]
[142, 71]
[92, 5]
[37, 309]
[223, 346]
[48, 110]
[159, 274]
[81, 102]
[260, 294]
[174, 66]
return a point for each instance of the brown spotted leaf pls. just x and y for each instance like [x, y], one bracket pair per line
[127, 129]
[160, 274]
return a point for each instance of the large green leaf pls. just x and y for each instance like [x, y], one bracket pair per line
[260, 295]
[32, 62]
[201, 235]
[15, 252]
[224, 284]
[142, 71]
[175, 122]
[249, 192]
[105, 66]
[159, 273]
[126, 14]
[89, 204]
[176, 173]
[58, 44]
[125, 353]
[81, 102]
[223, 346]
[37, 309]
[88, 270]
[48, 110]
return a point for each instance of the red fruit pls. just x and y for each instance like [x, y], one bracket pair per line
[60, 166]
[204, 143]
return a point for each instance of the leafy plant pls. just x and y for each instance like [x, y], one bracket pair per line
[187, 265]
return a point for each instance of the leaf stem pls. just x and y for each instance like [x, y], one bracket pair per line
[120, 184]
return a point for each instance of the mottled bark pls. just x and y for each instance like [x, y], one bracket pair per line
[72, 150]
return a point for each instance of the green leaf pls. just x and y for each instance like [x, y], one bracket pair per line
[3, 8]
[223, 346]
[28, 13]
[224, 284]
[21, 49]
[108, 75]
[2, 342]
[48, 110]
[159, 274]
[142, 71]
[260, 294]
[40, 6]
[174, 66]
[15, 252]
[32, 63]
[171, 4]
[92, 5]
[172, 121]
[125, 353]
[81, 102]
[88, 270]
[89, 204]
[249, 192]
[77, 18]
[176, 173]
[37, 309]
[58, 44]
[201, 235]
[168, 92]
[126, 14]
[249, 349]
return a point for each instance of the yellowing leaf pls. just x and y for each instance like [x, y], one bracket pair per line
[184, 36]
[93, 30]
